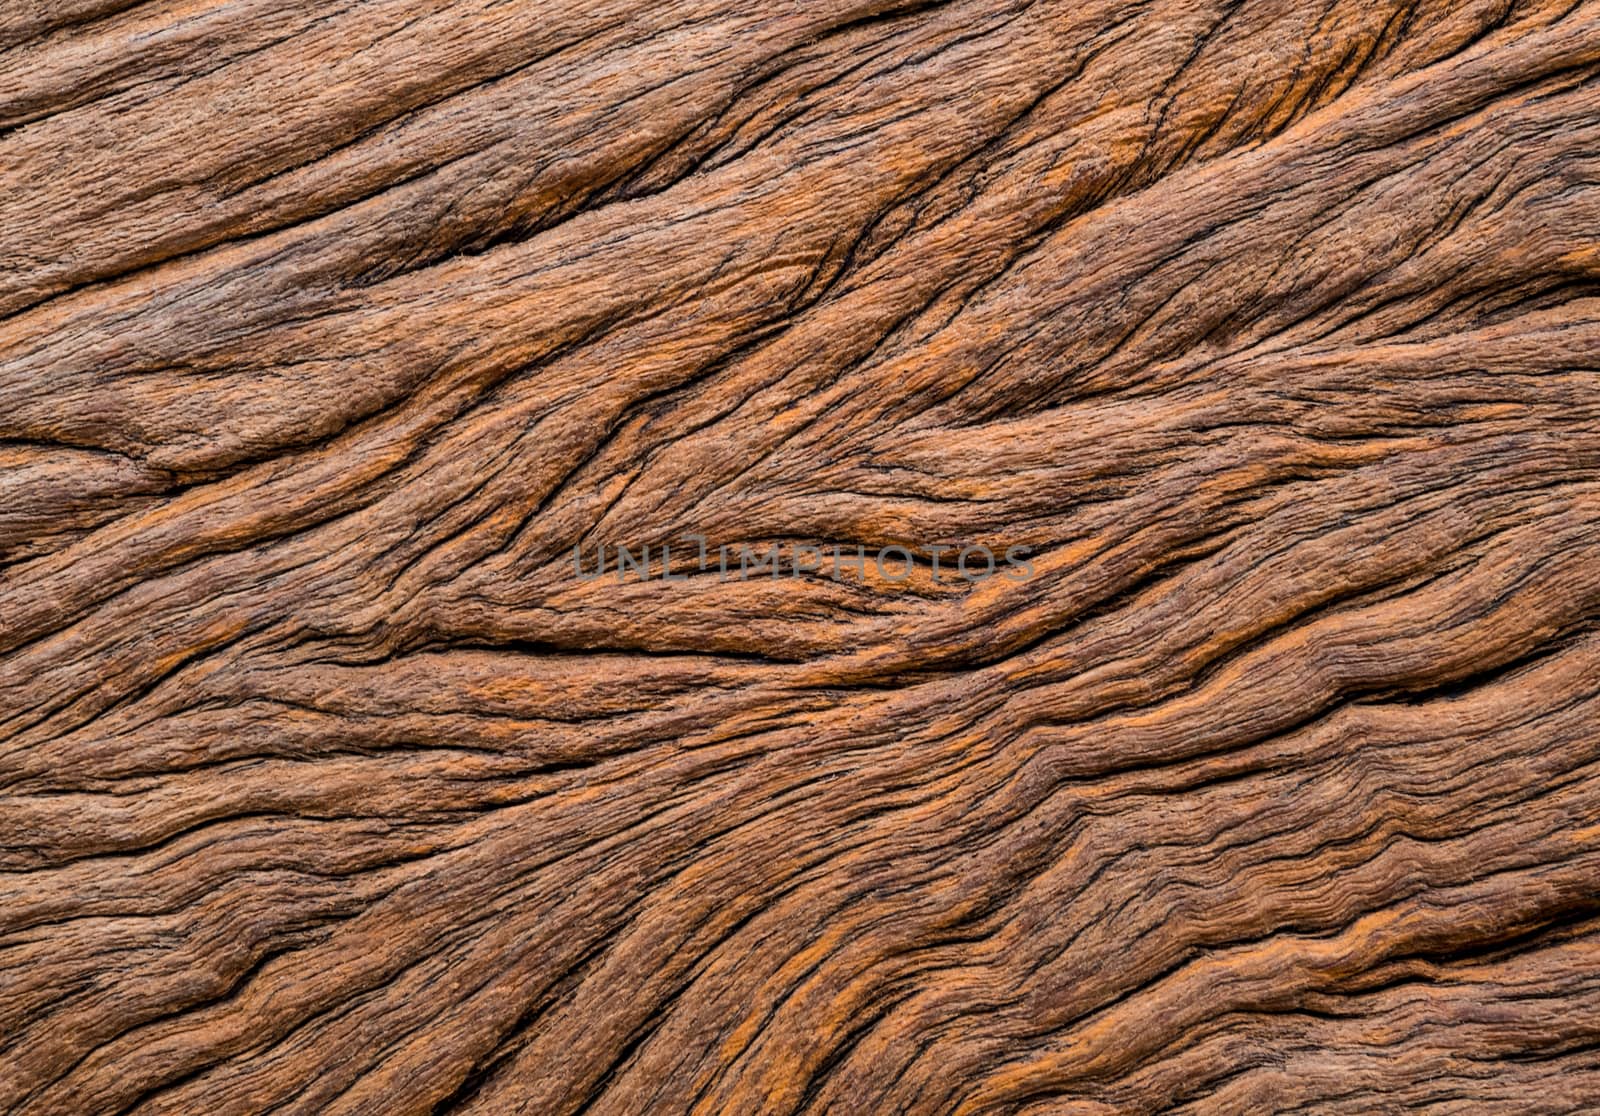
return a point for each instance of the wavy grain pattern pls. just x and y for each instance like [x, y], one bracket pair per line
[327, 331]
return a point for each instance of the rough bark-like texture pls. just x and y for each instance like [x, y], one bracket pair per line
[327, 785]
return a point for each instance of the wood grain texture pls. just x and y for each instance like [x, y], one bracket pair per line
[328, 331]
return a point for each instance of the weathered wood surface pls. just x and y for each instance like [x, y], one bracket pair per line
[328, 787]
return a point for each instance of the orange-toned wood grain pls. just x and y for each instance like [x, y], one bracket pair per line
[328, 331]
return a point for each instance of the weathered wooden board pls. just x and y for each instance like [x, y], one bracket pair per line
[1264, 336]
